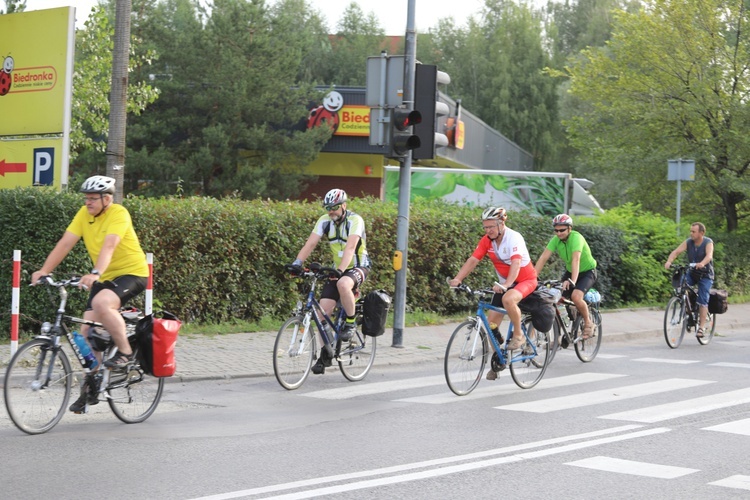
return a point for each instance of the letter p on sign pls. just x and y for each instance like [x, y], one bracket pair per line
[44, 166]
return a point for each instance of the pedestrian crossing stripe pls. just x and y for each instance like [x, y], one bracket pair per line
[668, 361]
[604, 396]
[731, 365]
[620, 466]
[741, 427]
[494, 390]
[683, 408]
[738, 482]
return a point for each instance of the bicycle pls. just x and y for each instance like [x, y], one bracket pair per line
[39, 377]
[469, 348]
[682, 313]
[295, 346]
[569, 325]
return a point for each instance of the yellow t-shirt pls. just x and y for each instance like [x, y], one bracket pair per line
[128, 257]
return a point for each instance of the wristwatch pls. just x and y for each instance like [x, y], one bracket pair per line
[94, 271]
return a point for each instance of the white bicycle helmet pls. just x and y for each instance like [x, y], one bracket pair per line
[334, 197]
[495, 213]
[562, 220]
[98, 184]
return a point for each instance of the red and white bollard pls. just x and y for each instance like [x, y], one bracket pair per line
[15, 302]
[150, 284]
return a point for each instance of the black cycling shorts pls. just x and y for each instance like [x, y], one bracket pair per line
[358, 274]
[586, 280]
[126, 287]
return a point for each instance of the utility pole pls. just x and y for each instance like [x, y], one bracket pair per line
[118, 97]
[404, 183]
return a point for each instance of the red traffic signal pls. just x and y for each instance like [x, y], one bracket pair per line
[402, 140]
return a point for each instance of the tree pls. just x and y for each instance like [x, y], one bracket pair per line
[227, 121]
[672, 82]
[496, 68]
[91, 86]
[12, 6]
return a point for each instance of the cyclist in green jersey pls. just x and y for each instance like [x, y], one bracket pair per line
[580, 265]
[345, 233]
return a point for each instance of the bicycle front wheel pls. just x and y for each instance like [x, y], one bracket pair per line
[133, 397]
[674, 322]
[708, 329]
[465, 357]
[586, 350]
[527, 368]
[293, 353]
[38, 381]
[356, 360]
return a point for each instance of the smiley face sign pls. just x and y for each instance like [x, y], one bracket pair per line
[5, 79]
[327, 113]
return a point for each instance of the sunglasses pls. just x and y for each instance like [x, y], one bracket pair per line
[560, 230]
[331, 208]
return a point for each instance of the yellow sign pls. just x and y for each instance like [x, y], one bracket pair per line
[31, 162]
[354, 120]
[460, 135]
[35, 54]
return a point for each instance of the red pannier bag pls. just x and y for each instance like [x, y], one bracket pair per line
[157, 337]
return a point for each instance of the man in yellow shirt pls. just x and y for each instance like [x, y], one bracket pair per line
[120, 269]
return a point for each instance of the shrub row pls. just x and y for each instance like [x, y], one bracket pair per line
[221, 260]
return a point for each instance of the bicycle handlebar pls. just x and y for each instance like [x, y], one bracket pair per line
[48, 280]
[467, 290]
[315, 270]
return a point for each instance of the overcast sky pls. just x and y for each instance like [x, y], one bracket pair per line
[391, 13]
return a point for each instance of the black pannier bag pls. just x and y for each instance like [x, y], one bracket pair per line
[375, 313]
[540, 305]
[717, 301]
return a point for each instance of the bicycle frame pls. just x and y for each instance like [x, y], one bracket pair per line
[501, 353]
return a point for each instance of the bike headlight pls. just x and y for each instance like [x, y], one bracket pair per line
[46, 327]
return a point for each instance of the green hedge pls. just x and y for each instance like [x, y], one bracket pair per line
[221, 260]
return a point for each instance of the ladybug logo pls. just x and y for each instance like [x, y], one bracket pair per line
[5, 79]
[328, 112]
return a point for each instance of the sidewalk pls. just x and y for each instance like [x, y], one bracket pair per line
[201, 357]
[250, 354]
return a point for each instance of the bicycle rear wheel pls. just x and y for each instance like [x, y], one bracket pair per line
[586, 350]
[465, 357]
[526, 368]
[357, 356]
[708, 329]
[674, 321]
[38, 381]
[134, 396]
[293, 353]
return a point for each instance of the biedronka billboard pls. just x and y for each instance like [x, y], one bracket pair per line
[36, 52]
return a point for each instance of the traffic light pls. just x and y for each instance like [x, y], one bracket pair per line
[426, 96]
[402, 139]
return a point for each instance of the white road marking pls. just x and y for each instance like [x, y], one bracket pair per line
[489, 389]
[668, 361]
[741, 427]
[604, 396]
[596, 438]
[354, 390]
[683, 408]
[739, 482]
[610, 356]
[633, 468]
[731, 365]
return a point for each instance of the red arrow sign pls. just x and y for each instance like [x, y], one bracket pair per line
[11, 168]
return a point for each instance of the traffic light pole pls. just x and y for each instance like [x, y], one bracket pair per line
[404, 183]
